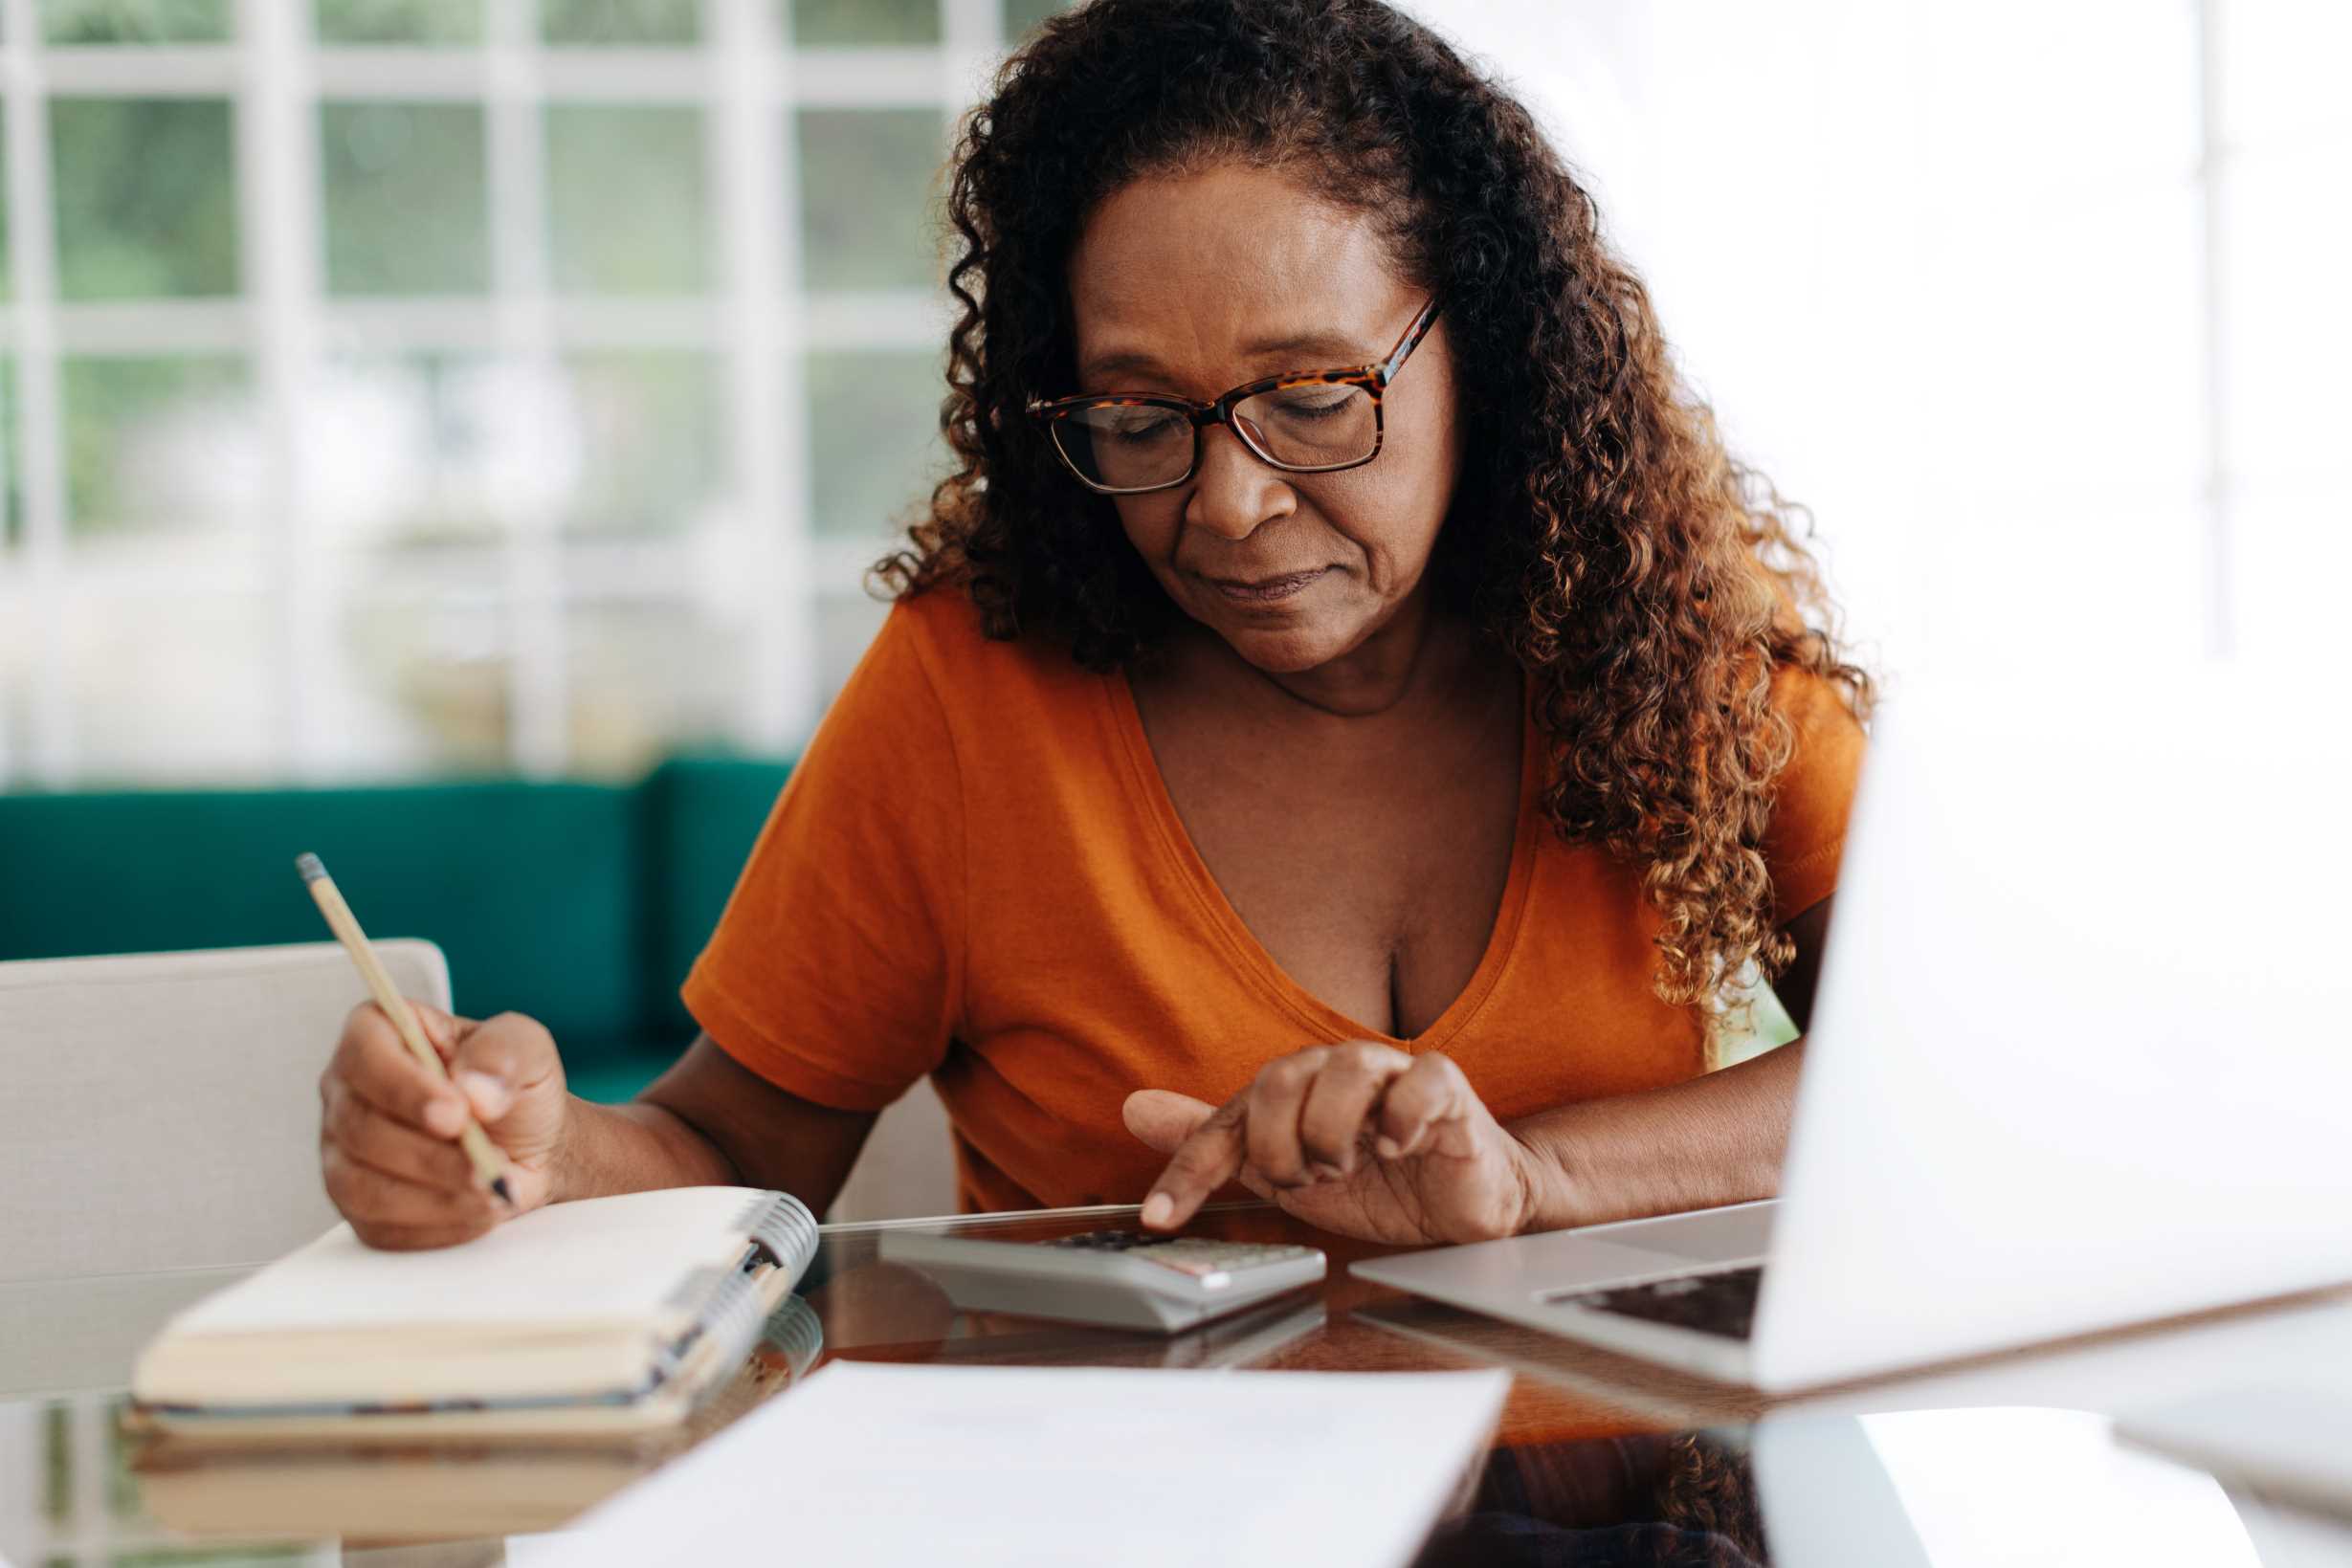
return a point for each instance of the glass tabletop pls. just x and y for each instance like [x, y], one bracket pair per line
[1596, 1459]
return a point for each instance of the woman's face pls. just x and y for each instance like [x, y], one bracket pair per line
[1191, 284]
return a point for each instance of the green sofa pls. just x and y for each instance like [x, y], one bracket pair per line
[581, 904]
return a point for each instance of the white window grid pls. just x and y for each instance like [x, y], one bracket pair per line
[748, 77]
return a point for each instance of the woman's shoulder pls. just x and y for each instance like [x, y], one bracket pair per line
[1817, 707]
[941, 630]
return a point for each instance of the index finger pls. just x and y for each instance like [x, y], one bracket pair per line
[374, 1063]
[1202, 1164]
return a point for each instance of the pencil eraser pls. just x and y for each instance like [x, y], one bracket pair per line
[309, 866]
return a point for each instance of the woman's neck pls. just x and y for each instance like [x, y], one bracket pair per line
[1419, 660]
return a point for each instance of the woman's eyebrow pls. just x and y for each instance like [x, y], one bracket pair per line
[1330, 348]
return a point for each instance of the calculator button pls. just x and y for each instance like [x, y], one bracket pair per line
[1212, 1262]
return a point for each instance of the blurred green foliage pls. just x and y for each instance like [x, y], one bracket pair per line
[106, 400]
[873, 437]
[1021, 15]
[135, 21]
[619, 21]
[145, 197]
[627, 207]
[406, 206]
[826, 23]
[652, 435]
[400, 21]
[867, 187]
[7, 273]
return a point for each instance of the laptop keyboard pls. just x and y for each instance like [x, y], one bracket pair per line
[1722, 1303]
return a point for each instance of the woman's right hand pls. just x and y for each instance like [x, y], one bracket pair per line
[387, 1135]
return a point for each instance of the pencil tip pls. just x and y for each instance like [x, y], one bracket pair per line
[310, 866]
[507, 1194]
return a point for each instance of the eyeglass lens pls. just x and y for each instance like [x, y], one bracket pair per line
[1133, 447]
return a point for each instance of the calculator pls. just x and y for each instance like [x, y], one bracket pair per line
[1128, 1279]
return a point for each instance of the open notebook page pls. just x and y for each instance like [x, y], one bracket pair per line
[598, 1260]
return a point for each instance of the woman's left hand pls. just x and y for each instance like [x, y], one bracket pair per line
[1357, 1139]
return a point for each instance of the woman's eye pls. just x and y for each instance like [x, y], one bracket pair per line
[1150, 429]
[1314, 405]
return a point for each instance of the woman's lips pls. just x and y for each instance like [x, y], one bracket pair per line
[1266, 590]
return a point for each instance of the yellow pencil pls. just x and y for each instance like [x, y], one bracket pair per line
[488, 1163]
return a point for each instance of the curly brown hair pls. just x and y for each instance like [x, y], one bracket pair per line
[1649, 586]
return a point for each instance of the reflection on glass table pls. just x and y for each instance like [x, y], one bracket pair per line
[1596, 1459]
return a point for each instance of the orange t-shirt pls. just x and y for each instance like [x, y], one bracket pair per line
[976, 873]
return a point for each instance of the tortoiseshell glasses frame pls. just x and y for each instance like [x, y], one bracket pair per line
[1064, 417]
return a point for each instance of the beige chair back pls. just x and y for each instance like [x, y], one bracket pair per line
[161, 1110]
[908, 1165]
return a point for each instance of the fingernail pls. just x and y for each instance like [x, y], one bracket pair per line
[1386, 1147]
[1158, 1209]
[1328, 1171]
[444, 1115]
[490, 1095]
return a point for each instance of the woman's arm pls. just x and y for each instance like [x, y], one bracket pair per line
[1364, 1140]
[1715, 1139]
[711, 1120]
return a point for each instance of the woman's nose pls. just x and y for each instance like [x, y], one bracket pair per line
[1234, 494]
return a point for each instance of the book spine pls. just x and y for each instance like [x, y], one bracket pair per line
[732, 1318]
[780, 1226]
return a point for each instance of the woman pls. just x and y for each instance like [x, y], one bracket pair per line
[1364, 785]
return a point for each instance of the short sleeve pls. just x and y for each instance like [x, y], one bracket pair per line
[836, 970]
[1815, 795]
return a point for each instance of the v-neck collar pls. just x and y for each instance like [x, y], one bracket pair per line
[1249, 956]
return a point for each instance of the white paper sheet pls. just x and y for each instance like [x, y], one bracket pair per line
[1043, 1466]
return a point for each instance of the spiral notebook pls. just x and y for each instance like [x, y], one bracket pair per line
[605, 1316]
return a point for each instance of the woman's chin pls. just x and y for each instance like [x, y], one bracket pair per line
[1286, 637]
[1284, 650]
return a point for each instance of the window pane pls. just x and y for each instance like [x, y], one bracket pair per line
[2281, 65]
[171, 688]
[648, 679]
[824, 22]
[11, 497]
[420, 452]
[423, 672]
[626, 199]
[2287, 322]
[400, 21]
[1021, 15]
[133, 21]
[2290, 556]
[160, 446]
[648, 439]
[147, 197]
[873, 437]
[22, 652]
[618, 21]
[846, 622]
[6, 275]
[406, 212]
[866, 193]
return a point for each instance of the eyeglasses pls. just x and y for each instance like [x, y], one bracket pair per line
[1315, 422]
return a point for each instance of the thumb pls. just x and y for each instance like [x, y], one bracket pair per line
[498, 1059]
[442, 1030]
[1163, 1118]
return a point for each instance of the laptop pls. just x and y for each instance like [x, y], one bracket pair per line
[2080, 1055]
